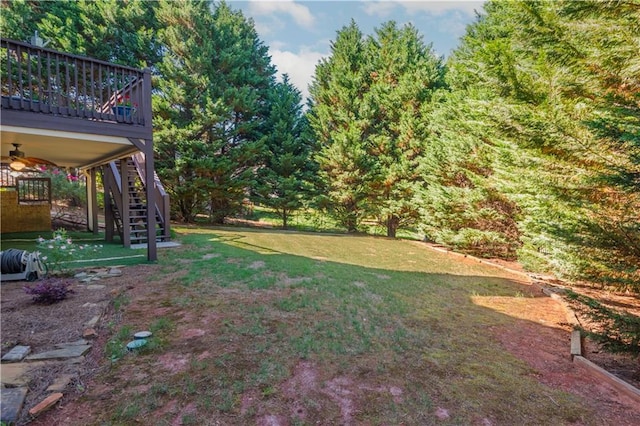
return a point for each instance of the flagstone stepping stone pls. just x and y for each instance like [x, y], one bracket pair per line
[136, 344]
[115, 272]
[61, 383]
[16, 354]
[63, 353]
[95, 287]
[15, 374]
[92, 322]
[143, 334]
[80, 342]
[11, 400]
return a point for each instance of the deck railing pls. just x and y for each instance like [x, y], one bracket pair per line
[34, 190]
[46, 81]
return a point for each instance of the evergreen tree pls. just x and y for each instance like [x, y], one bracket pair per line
[368, 102]
[337, 90]
[461, 207]
[111, 30]
[404, 73]
[211, 107]
[284, 179]
[564, 80]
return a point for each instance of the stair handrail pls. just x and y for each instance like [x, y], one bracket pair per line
[162, 207]
[114, 175]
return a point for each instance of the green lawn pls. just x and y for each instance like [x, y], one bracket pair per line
[105, 254]
[320, 329]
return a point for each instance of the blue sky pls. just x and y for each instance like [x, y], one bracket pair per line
[299, 33]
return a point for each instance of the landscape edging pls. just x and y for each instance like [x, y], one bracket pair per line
[619, 384]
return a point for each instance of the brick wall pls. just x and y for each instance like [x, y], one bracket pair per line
[16, 217]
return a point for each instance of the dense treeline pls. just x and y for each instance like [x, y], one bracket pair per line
[561, 82]
[524, 145]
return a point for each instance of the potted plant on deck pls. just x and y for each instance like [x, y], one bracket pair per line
[123, 106]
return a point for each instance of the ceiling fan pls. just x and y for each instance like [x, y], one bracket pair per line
[19, 161]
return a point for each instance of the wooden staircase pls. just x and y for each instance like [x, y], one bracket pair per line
[130, 221]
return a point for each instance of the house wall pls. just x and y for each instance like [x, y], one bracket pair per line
[16, 217]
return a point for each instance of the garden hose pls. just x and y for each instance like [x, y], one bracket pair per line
[20, 265]
[12, 261]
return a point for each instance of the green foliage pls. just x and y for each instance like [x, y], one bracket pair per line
[562, 84]
[111, 30]
[285, 179]
[461, 206]
[367, 112]
[210, 108]
[60, 249]
[617, 331]
[67, 188]
[403, 74]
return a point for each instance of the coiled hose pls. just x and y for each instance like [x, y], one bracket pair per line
[11, 261]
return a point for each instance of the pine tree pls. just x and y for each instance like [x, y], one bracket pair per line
[563, 77]
[335, 116]
[111, 30]
[284, 179]
[404, 73]
[211, 107]
[367, 112]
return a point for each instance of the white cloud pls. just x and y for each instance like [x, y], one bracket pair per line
[379, 8]
[299, 66]
[299, 13]
[439, 7]
[433, 7]
[269, 26]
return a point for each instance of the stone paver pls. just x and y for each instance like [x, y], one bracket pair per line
[11, 400]
[80, 342]
[15, 374]
[67, 352]
[61, 383]
[92, 322]
[16, 354]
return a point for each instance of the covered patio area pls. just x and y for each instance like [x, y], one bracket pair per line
[82, 114]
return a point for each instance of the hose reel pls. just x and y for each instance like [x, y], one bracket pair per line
[21, 265]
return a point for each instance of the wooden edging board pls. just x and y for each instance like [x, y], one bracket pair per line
[614, 381]
[576, 343]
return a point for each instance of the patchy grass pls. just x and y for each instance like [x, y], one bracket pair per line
[272, 326]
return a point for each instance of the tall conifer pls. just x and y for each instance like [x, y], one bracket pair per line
[339, 85]
[283, 181]
[211, 106]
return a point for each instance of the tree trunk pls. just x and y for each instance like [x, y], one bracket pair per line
[392, 225]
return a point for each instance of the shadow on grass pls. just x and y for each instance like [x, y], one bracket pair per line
[327, 329]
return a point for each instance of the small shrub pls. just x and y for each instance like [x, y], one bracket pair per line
[60, 250]
[49, 291]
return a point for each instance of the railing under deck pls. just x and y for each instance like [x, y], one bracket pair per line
[45, 81]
